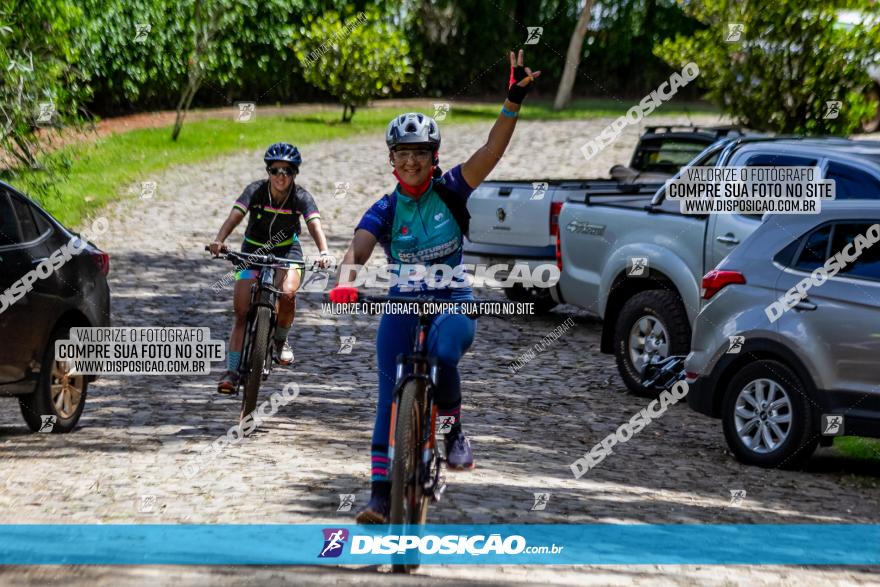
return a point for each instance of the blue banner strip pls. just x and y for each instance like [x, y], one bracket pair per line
[795, 544]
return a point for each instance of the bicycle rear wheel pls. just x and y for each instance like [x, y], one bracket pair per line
[257, 356]
[409, 504]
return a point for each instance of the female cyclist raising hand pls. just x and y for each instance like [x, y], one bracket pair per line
[422, 221]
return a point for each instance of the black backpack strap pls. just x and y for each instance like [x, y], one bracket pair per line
[457, 205]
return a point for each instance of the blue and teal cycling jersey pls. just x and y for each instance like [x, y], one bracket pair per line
[421, 232]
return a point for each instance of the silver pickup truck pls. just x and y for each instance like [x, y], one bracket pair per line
[637, 262]
[515, 222]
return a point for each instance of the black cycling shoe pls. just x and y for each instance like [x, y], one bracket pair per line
[459, 456]
[228, 383]
[375, 512]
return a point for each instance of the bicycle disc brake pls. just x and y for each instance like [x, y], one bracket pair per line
[435, 484]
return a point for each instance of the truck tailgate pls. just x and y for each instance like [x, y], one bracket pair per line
[510, 213]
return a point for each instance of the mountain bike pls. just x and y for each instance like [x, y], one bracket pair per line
[256, 357]
[416, 460]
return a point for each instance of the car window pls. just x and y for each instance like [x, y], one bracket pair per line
[815, 250]
[666, 156]
[43, 224]
[867, 265]
[26, 222]
[785, 257]
[712, 160]
[774, 160]
[9, 231]
[852, 183]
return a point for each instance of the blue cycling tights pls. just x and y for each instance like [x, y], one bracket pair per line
[449, 338]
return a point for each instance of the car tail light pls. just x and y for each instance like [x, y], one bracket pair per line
[715, 281]
[558, 252]
[102, 260]
[691, 376]
[555, 208]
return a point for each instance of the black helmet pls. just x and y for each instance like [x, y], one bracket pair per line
[413, 128]
[283, 152]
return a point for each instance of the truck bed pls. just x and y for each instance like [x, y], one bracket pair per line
[516, 215]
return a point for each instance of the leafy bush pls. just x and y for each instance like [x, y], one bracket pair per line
[40, 86]
[362, 58]
[132, 50]
[792, 58]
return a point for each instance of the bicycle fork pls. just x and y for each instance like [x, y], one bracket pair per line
[247, 340]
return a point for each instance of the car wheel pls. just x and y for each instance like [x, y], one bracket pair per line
[58, 401]
[767, 418]
[540, 296]
[651, 326]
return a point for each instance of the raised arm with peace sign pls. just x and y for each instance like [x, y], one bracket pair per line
[483, 161]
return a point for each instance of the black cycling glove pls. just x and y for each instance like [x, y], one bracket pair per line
[515, 93]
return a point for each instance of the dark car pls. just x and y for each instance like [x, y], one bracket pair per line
[46, 288]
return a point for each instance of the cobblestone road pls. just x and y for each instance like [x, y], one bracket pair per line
[138, 432]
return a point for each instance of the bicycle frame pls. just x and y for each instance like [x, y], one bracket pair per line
[263, 294]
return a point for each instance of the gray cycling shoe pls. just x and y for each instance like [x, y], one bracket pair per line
[283, 353]
[459, 455]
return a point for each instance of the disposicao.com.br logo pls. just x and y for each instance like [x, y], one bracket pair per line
[334, 541]
[429, 544]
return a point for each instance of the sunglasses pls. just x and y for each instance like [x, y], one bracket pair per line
[285, 171]
[414, 154]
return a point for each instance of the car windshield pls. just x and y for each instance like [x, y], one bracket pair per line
[666, 155]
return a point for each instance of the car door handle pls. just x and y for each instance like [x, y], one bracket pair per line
[728, 239]
[805, 305]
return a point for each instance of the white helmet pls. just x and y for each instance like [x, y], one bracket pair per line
[413, 128]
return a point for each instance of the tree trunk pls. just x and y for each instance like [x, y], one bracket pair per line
[193, 69]
[348, 111]
[183, 105]
[573, 58]
[25, 151]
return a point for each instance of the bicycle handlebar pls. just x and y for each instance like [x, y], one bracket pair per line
[253, 259]
[423, 301]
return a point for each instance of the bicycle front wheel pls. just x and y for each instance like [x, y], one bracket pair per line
[409, 504]
[257, 356]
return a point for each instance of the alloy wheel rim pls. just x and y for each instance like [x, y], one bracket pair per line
[66, 389]
[648, 342]
[763, 416]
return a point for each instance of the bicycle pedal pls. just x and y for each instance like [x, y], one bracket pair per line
[439, 489]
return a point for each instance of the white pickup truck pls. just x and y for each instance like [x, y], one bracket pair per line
[637, 262]
[516, 222]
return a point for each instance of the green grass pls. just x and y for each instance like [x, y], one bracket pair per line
[101, 170]
[860, 448]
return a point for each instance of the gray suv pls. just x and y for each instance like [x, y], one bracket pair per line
[786, 357]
